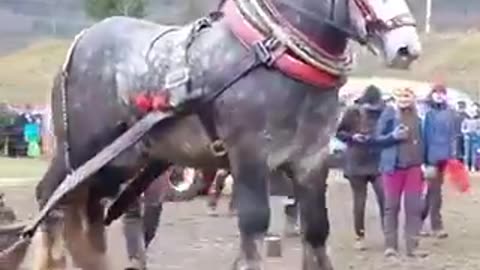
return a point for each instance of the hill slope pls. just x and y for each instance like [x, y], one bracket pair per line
[26, 75]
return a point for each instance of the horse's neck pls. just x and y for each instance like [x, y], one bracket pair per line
[300, 14]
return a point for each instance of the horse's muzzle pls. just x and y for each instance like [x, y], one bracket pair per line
[403, 58]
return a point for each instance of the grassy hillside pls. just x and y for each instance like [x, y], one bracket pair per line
[454, 58]
[26, 75]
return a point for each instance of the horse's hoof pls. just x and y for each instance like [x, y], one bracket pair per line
[273, 246]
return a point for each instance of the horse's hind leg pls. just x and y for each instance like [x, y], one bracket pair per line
[49, 252]
[250, 173]
[84, 231]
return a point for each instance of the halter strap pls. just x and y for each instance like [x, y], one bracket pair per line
[375, 24]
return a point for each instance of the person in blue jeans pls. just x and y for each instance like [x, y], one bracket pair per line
[440, 134]
[471, 131]
[462, 115]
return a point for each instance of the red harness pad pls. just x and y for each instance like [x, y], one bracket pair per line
[287, 63]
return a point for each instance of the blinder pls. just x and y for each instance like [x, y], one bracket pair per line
[375, 25]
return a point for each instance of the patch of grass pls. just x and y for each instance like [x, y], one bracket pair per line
[22, 168]
[26, 75]
[454, 58]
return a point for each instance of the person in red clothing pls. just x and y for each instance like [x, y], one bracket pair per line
[399, 131]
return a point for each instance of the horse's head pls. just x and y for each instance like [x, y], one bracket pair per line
[389, 26]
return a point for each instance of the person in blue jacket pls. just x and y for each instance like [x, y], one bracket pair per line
[440, 134]
[399, 131]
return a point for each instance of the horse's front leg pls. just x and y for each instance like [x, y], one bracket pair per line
[251, 201]
[315, 225]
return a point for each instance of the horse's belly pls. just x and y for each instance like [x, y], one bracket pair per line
[186, 143]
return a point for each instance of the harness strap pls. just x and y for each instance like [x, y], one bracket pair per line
[285, 61]
[64, 96]
[260, 54]
[93, 165]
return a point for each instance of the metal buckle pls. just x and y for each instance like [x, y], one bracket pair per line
[265, 49]
[177, 77]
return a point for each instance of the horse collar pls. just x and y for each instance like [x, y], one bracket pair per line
[286, 62]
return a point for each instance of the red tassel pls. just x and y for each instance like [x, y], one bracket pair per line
[457, 175]
[160, 102]
[143, 103]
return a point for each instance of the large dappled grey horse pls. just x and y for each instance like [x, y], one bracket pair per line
[278, 116]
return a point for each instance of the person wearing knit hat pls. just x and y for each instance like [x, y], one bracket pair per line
[399, 130]
[440, 134]
[356, 128]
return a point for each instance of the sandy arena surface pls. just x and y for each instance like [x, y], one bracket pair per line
[190, 239]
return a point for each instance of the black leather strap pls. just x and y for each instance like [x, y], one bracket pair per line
[221, 80]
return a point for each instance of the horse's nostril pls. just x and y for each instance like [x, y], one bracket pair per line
[403, 51]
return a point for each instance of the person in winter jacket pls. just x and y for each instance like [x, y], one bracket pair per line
[399, 130]
[440, 134]
[356, 129]
[462, 115]
[471, 133]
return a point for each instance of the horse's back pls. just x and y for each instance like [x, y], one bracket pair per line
[120, 32]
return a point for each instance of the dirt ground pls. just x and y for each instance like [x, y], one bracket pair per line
[189, 239]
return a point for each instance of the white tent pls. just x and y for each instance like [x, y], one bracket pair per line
[355, 86]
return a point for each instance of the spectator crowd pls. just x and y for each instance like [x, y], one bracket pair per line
[406, 147]
[20, 131]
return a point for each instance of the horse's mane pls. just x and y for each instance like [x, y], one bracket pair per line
[220, 4]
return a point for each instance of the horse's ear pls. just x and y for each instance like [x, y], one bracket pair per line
[221, 4]
[216, 15]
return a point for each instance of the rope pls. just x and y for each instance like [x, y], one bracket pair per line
[63, 88]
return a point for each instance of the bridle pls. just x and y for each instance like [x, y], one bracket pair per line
[375, 25]
[261, 26]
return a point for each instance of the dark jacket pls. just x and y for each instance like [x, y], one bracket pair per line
[439, 131]
[360, 158]
[388, 122]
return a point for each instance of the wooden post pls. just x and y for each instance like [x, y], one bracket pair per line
[428, 16]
